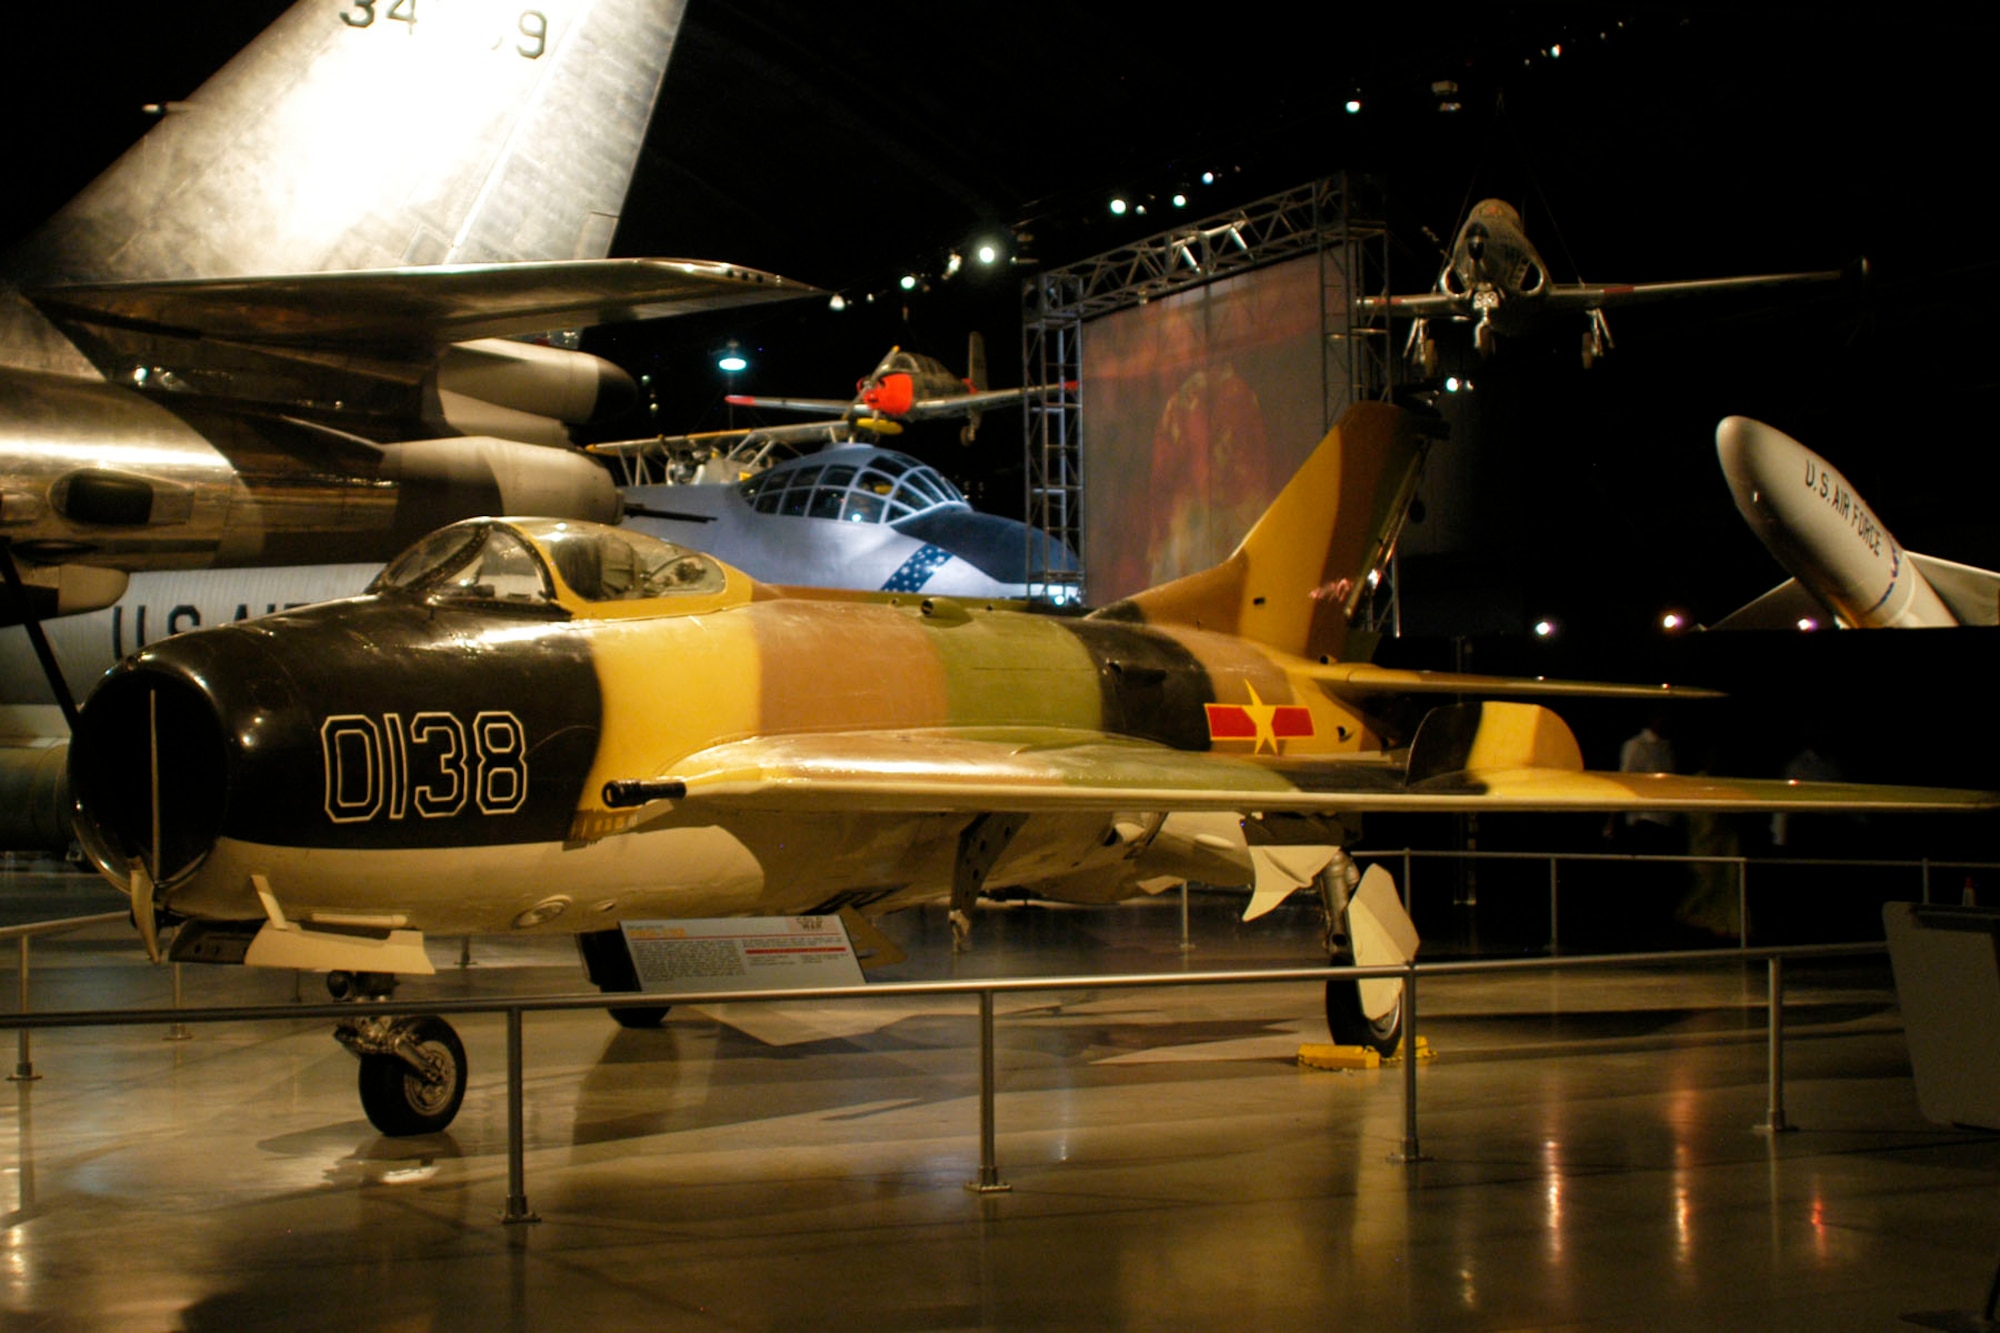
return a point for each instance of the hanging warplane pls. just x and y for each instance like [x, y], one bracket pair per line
[903, 387]
[1846, 568]
[536, 726]
[1495, 278]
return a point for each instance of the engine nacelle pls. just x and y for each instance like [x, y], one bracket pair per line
[526, 391]
[442, 481]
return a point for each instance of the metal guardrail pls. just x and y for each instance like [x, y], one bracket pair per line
[24, 1063]
[1408, 855]
[988, 1178]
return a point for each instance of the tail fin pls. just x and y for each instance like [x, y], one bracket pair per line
[380, 134]
[1296, 578]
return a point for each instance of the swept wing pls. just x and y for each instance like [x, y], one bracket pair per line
[416, 308]
[1490, 757]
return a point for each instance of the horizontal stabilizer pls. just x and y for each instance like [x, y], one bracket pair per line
[417, 307]
[1470, 739]
[1362, 678]
[1972, 594]
[1781, 608]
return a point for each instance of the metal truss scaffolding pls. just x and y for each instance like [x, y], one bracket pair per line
[1337, 218]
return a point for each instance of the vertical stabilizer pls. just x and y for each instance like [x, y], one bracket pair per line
[379, 134]
[1296, 578]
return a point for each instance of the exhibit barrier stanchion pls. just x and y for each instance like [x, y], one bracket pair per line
[24, 1061]
[1926, 871]
[1742, 902]
[989, 1181]
[1555, 937]
[178, 1031]
[517, 1168]
[1774, 1110]
[1412, 1150]
[1187, 944]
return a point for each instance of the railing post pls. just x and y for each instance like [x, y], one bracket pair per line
[1742, 902]
[24, 1062]
[1412, 1150]
[989, 1181]
[1555, 937]
[1774, 1109]
[517, 1167]
[178, 1031]
[1409, 893]
[1187, 945]
[1927, 881]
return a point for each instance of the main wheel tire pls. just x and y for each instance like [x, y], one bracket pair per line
[398, 1100]
[640, 1016]
[1351, 1027]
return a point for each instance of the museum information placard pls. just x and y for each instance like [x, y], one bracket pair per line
[742, 953]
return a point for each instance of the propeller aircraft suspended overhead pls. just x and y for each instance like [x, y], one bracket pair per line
[536, 726]
[903, 387]
[1494, 278]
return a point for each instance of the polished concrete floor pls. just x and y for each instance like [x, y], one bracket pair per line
[1594, 1161]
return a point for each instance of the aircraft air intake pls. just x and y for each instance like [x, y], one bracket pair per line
[148, 766]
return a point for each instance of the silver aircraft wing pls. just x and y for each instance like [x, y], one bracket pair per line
[417, 307]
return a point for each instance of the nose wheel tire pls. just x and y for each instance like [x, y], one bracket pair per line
[402, 1099]
[1352, 1027]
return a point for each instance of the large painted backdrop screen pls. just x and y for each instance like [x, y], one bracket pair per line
[1197, 407]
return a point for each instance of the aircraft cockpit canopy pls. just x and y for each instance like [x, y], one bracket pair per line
[488, 560]
[857, 486]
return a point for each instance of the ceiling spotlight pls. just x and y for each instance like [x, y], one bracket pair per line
[732, 359]
[1672, 621]
[1808, 623]
[1208, 178]
[986, 253]
[1180, 201]
[1353, 106]
[1556, 51]
[1451, 384]
[1117, 208]
[953, 264]
[909, 282]
[837, 302]
[1545, 629]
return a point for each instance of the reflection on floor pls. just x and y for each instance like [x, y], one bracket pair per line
[1593, 1157]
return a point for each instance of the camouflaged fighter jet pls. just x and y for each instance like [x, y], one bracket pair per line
[533, 726]
[1496, 277]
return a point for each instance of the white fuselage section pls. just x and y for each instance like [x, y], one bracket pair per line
[1820, 530]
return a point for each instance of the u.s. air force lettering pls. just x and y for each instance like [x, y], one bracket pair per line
[430, 766]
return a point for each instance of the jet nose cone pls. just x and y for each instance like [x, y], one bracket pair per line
[1754, 455]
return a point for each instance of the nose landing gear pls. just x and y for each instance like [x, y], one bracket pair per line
[413, 1069]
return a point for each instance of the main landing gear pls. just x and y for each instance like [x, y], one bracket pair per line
[608, 964]
[412, 1068]
[1366, 926]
